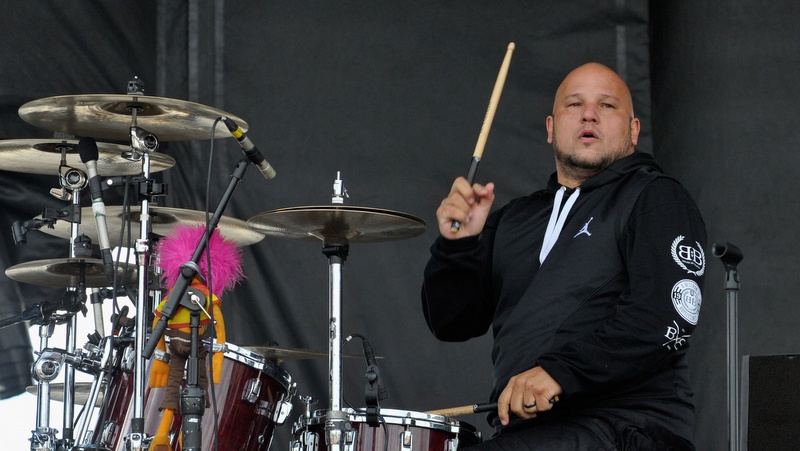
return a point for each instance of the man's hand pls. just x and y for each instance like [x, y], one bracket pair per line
[466, 204]
[527, 393]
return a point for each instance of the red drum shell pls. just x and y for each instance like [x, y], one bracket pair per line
[246, 415]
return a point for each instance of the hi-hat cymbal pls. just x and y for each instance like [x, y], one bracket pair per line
[162, 220]
[67, 272]
[281, 354]
[35, 156]
[337, 222]
[82, 390]
[108, 116]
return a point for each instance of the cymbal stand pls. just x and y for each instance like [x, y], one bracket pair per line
[142, 144]
[78, 248]
[45, 369]
[336, 249]
[50, 361]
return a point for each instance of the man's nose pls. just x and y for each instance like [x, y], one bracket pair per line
[589, 114]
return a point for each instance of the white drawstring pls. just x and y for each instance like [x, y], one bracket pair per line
[557, 220]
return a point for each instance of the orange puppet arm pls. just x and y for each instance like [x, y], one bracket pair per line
[159, 368]
[219, 327]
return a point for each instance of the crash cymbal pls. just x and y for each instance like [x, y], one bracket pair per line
[337, 222]
[108, 116]
[162, 220]
[66, 272]
[278, 353]
[35, 156]
[82, 390]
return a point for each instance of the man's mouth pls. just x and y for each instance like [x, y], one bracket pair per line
[588, 136]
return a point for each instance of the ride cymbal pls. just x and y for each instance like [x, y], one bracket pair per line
[162, 220]
[336, 223]
[108, 116]
[35, 156]
[67, 272]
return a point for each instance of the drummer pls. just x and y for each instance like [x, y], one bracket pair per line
[592, 286]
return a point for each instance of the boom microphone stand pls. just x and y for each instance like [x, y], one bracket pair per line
[730, 256]
[193, 431]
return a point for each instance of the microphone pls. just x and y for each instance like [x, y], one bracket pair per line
[372, 364]
[250, 150]
[87, 148]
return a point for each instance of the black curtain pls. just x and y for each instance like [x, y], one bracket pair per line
[392, 96]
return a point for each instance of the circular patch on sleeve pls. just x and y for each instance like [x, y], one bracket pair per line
[686, 297]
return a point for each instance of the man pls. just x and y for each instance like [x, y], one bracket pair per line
[592, 286]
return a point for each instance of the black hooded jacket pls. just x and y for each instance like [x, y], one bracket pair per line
[608, 312]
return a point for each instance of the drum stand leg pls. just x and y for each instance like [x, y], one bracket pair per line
[101, 379]
[43, 438]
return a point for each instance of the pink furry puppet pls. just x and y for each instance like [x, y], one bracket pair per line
[167, 369]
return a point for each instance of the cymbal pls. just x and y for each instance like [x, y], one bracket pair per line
[278, 353]
[108, 116]
[34, 156]
[82, 390]
[66, 272]
[162, 220]
[337, 222]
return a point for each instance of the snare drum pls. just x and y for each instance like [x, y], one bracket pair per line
[252, 398]
[397, 430]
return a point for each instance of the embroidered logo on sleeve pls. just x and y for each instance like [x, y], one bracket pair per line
[686, 298]
[691, 259]
[676, 337]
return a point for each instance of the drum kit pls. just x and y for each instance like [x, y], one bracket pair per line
[255, 395]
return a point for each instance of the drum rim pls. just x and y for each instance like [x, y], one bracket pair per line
[398, 417]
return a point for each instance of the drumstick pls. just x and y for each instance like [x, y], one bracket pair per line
[474, 408]
[487, 122]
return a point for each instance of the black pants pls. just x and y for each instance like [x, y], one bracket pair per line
[586, 433]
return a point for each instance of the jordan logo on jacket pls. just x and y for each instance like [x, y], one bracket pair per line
[585, 229]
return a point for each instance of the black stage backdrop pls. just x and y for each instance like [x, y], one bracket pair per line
[392, 96]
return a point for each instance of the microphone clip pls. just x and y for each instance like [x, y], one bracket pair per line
[375, 390]
[50, 215]
[372, 395]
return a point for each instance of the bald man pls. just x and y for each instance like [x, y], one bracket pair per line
[591, 286]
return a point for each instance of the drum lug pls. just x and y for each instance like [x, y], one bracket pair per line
[284, 407]
[451, 444]
[128, 359]
[108, 432]
[406, 440]
[308, 442]
[282, 411]
[251, 390]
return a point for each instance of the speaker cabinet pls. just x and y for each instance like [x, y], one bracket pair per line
[770, 404]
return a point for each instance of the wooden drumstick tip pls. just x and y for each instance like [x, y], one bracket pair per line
[511, 46]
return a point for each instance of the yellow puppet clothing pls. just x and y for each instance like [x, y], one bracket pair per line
[170, 375]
